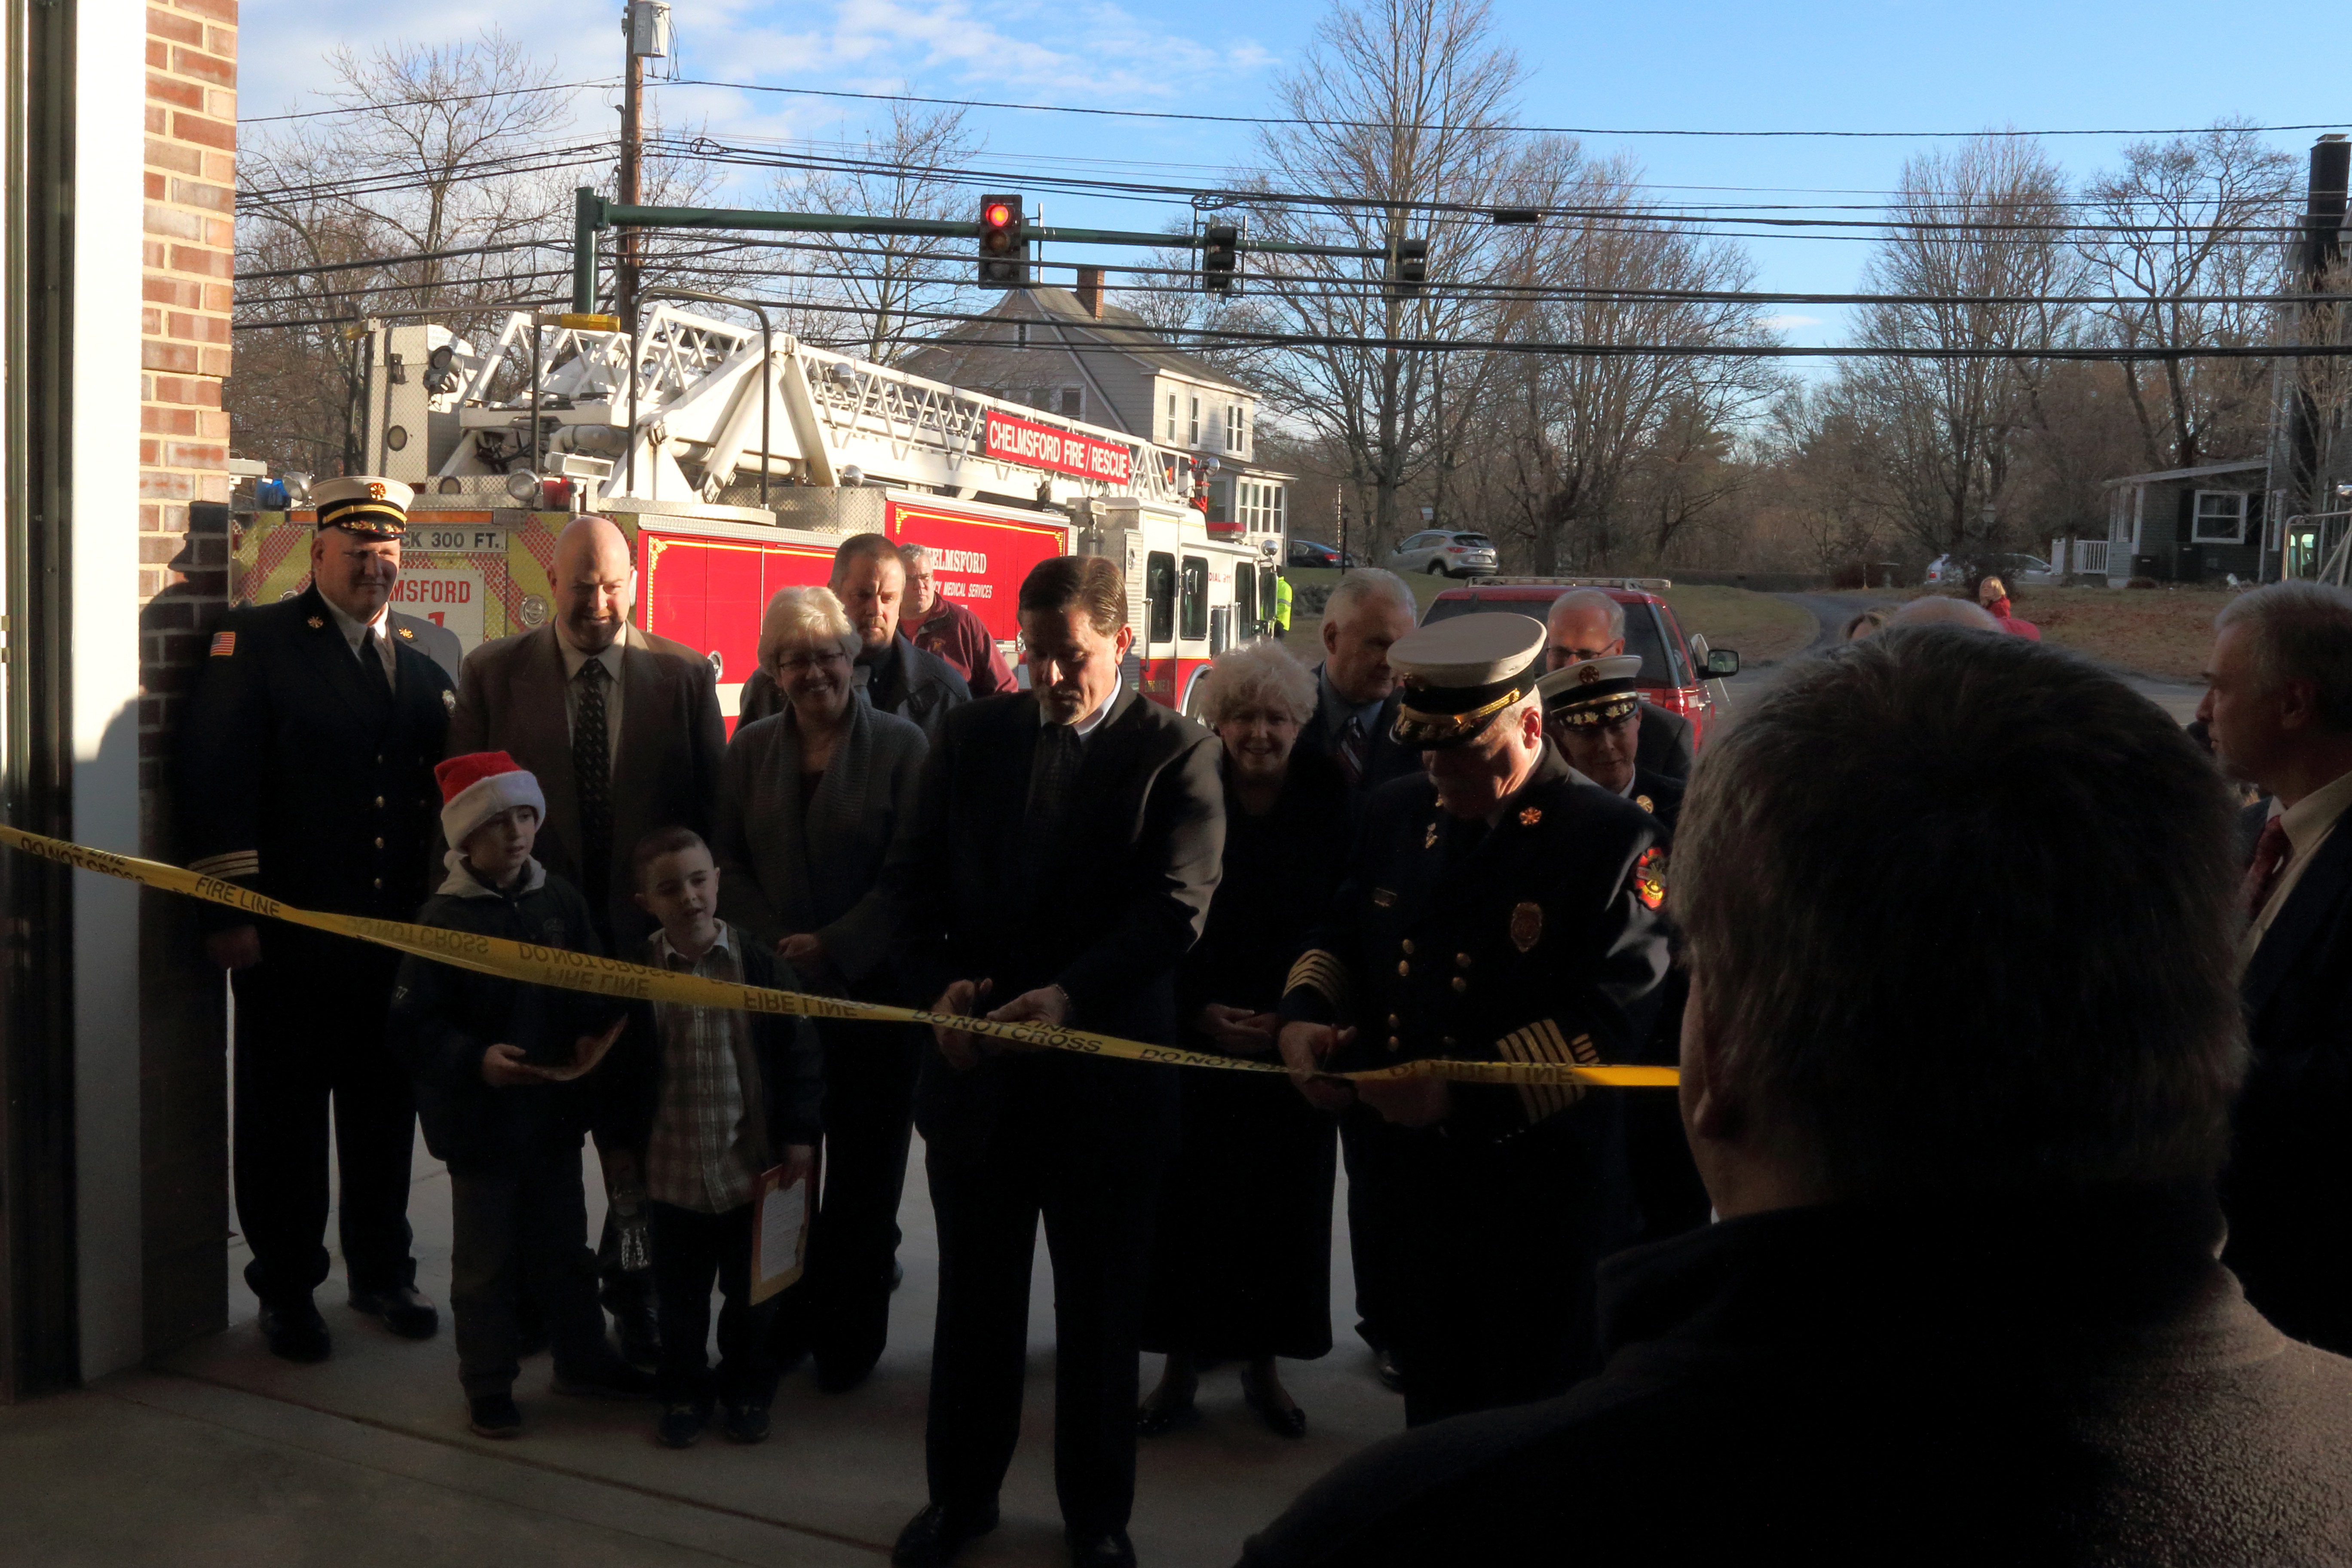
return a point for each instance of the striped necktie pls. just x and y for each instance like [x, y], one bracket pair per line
[592, 775]
[1350, 756]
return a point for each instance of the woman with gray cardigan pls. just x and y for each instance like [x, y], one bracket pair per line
[809, 801]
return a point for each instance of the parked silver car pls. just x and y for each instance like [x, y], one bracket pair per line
[1945, 570]
[1445, 553]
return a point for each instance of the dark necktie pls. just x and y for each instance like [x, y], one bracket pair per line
[1053, 779]
[592, 775]
[1351, 754]
[2270, 854]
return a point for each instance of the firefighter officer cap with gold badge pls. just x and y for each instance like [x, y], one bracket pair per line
[1461, 674]
[1592, 692]
[364, 504]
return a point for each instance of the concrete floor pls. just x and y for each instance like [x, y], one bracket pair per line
[222, 1454]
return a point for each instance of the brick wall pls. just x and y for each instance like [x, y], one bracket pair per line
[184, 541]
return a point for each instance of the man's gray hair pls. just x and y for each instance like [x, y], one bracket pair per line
[1576, 599]
[2301, 631]
[1261, 675]
[915, 556]
[1960, 919]
[1370, 585]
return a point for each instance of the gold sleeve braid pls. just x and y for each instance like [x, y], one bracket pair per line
[1543, 1042]
[1322, 973]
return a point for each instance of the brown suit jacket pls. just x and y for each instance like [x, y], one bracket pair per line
[666, 772]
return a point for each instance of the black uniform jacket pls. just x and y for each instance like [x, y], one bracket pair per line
[1660, 796]
[302, 775]
[443, 1019]
[1667, 745]
[785, 1076]
[1108, 918]
[1537, 940]
[2288, 1191]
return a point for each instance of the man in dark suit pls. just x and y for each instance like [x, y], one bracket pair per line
[869, 578]
[1587, 624]
[1066, 844]
[623, 730]
[1495, 909]
[2278, 707]
[1354, 724]
[1592, 709]
[1355, 704]
[306, 773]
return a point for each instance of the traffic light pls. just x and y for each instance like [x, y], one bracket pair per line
[1221, 258]
[1003, 248]
[1408, 267]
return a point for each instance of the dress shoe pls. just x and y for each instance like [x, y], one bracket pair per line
[295, 1331]
[405, 1310]
[746, 1423]
[1157, 1419]
[1099, 1548]
[934, 1536]
[1391, 1371]
[612, 1379]
[1282, 1420]
[639, 1334]
[493, 1416]
[680, 1426]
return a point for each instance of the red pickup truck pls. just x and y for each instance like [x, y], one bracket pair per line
[1671, 676]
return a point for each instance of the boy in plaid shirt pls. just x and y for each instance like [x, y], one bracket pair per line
[724, 1095]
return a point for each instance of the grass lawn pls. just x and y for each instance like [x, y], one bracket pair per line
[1759, 627]
[2164, 632]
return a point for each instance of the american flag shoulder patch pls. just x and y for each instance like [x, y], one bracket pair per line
[223, 644]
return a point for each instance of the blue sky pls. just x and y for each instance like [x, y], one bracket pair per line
[1701, 64]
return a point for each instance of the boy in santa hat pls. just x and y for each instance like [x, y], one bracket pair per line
[503, 1098]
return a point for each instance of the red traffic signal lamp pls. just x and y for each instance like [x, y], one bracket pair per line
[1003, 246]
[1221, 258]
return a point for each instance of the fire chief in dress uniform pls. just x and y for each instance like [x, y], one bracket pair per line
[306, 773]
[1496, 909]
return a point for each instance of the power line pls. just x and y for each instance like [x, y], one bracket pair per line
[1518, 130]
[420, 102]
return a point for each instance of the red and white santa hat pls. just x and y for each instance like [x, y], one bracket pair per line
[477, 786]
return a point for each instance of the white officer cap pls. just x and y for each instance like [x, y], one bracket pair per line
[1592, 691]
[1459, 673]
[364, 504]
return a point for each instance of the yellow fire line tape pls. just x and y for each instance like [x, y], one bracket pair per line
[641, 982]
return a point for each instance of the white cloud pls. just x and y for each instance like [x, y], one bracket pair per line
[1787, 323]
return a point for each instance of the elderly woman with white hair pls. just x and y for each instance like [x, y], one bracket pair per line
[1241, 1261]
[810, 801]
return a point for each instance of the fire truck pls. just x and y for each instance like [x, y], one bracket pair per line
[736, 461]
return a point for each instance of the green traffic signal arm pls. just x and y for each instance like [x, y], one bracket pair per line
[595, 212]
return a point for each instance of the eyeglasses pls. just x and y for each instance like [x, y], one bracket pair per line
[800, 661]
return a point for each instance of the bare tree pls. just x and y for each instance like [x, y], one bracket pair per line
[1968, 230]
[1398, 104]
[1569, 430]
[2183, 221]
[888, 281]
[417, 196]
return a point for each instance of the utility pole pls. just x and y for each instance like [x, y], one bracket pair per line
[645, 25]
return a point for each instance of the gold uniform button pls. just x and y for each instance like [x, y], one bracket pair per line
[1407, 946]
[1394, 1042]
[379, 843]
[1404, 968]
[1460, 983]
[379, 803]
[379, 884]
[1393, 1021]
[1461, 961]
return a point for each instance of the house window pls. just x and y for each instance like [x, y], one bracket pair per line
[1194, 438]
[1232, 427]
[1172, 417]
[1073, 402]
[1273, 512]
[2220, 518]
